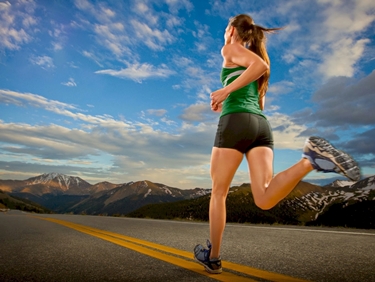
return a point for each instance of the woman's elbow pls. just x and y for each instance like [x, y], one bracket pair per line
[266, 67]
[262, 68]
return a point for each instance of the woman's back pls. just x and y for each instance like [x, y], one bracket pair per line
[243, 100]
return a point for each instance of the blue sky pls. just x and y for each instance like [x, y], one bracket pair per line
[119, 91]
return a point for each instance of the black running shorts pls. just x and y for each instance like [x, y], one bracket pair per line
[243, 131]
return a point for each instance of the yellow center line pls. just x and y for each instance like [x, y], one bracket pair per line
[190, 265]
[143, 247]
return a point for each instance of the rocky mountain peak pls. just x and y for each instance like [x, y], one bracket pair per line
[62, 181]
[341, 183]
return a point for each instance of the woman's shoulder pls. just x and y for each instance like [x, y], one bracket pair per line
[231, 51]
[232, 48]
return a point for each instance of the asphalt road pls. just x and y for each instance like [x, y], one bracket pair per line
[92, 248]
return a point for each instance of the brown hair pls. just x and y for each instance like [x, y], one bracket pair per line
[254, 37]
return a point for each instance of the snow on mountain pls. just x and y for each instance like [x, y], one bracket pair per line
[198, 192]
[370, 186]
[63, 180]
[344, 192]
[342, 183]
[166, 190]
[146, 188]
[160, 190]
[59, 183]
[148, 193]
[308, 202]
[133, 195]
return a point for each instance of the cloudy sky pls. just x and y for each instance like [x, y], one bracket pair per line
[119, 91]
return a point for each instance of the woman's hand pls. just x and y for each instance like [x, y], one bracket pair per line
[217, 98]
[216, 107]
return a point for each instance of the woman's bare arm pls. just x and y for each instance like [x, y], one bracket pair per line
[262, 102]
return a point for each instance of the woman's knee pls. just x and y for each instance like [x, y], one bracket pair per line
[263, 203]
[219, 191]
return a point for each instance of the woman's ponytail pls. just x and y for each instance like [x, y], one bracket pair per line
[254, 37]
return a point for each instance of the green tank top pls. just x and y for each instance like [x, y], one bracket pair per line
[243, 100]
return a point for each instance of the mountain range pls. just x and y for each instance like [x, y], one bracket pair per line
[341, 203]
[338, 204]
[68, 194]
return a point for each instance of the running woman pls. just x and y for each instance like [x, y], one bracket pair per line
[243, 129]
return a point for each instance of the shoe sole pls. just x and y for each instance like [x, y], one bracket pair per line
[347, 165]
[209, 270]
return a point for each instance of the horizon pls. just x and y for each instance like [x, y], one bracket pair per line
[119, 90]
[55, 174]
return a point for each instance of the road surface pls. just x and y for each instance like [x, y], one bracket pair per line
[93, 248]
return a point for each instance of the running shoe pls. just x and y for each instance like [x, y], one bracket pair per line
[202, 256]
[326, 158]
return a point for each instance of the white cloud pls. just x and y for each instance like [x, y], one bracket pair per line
[154, 38]
[345, 53]
[343, 30]
[108, 27]
[173, 22]
[4, 5]
[139, 72]
[25, 99]
[101, 12]
[157, 112]
[286, 133]
[112, 37]
[145, 11]
[322, 40]
[281, 87]
[70, 83]
[198, 112]
[185, 150]
[141, 7]
[57, 46]
[93, 57]
[44, 62]
[49, 144]
[176, 5]
[203, 37]
[16, 21]
[347, 16]
[121, 34]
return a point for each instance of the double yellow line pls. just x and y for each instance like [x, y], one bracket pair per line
[177, 257]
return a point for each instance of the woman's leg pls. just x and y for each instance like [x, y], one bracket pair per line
[268, 190]
[224, 164]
